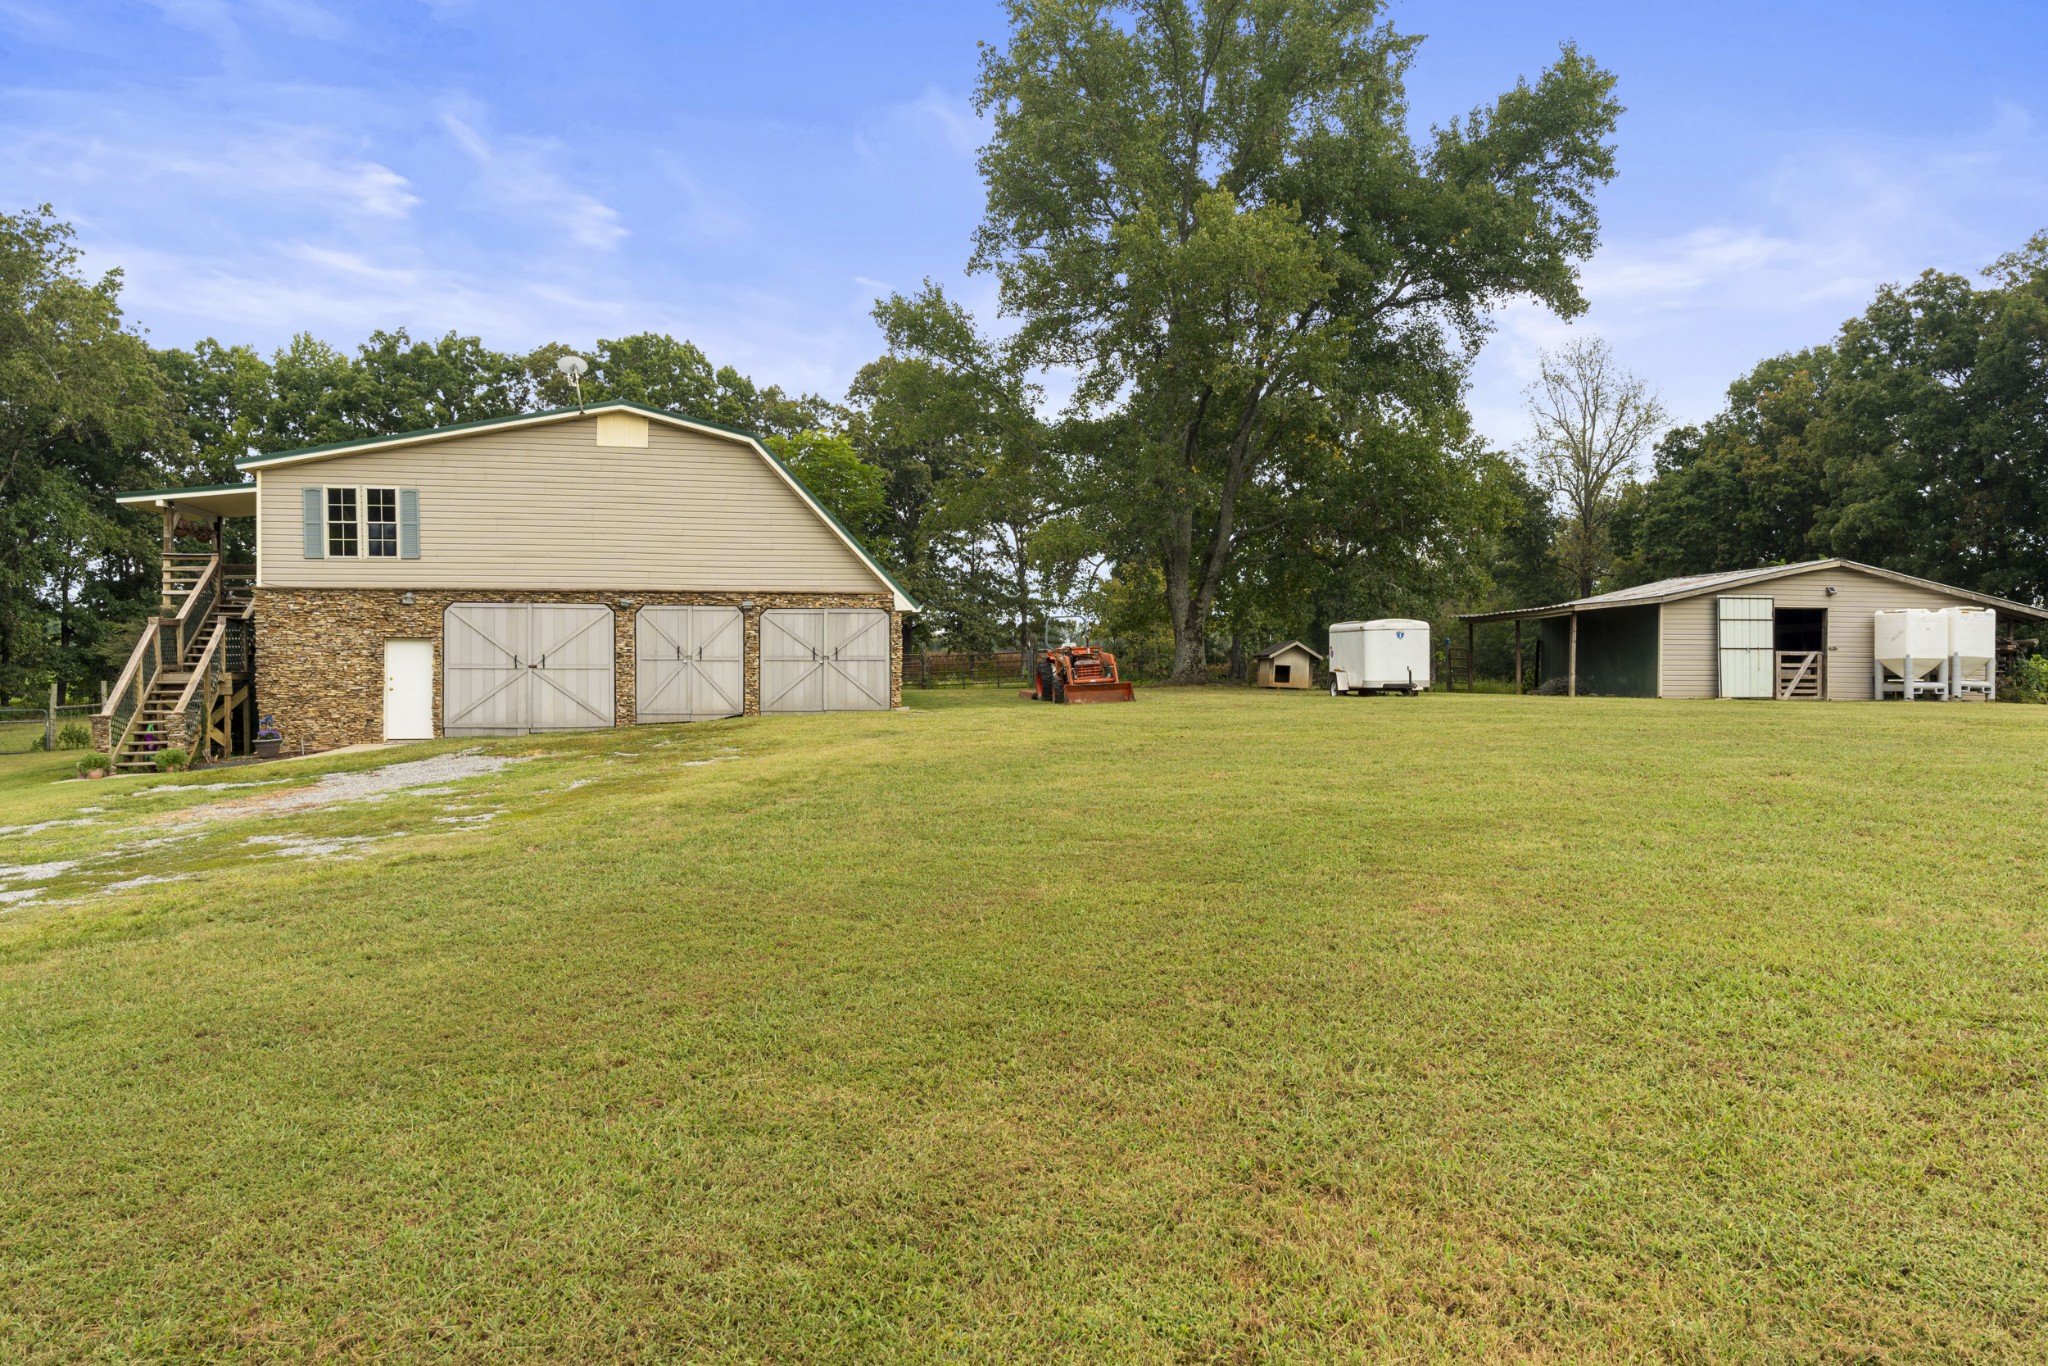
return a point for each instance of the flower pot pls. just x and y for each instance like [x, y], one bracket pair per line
[96, 773]
[267, 749]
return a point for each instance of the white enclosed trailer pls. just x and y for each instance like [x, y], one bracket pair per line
[1389, 655]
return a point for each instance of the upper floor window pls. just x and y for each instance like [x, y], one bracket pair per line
[342, 528]
[355, 522]
[380, 522]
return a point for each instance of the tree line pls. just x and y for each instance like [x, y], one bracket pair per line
[1917, 439]
[1241, 297]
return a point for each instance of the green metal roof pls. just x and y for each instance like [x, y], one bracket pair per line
[250, 462]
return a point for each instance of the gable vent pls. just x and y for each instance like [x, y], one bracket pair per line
[621, 429]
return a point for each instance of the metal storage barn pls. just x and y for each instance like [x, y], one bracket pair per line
[1785, 631]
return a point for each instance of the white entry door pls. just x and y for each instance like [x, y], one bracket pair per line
[688, 663]
[515, 667]
[1747, 640]
[824, 659]
[408, 690]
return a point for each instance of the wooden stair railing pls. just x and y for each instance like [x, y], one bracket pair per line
[164, 662]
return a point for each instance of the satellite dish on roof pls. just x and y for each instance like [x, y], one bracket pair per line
[574, 367]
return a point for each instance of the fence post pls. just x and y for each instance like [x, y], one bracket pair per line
[50, 722]
[103, 694]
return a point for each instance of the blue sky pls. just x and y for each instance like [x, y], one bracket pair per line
[752, 175]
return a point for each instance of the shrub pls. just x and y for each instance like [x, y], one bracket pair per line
[2029, 681]
[172, 760]
[74, 736]
[93, 760]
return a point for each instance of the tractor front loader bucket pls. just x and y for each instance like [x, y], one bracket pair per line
[1104, 690]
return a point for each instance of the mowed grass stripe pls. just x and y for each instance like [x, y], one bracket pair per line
[1222, 1026]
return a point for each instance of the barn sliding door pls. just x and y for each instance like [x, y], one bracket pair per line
[688, 663]
[824, 659]
[1746, 637]
[571, 668]
[514, 667]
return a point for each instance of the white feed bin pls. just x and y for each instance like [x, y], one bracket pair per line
[1389, 655]
[1916, 634]
[1973, 650]
[1972, 635]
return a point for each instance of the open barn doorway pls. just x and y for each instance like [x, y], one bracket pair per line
[1799, 639]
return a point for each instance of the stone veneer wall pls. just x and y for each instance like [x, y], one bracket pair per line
[320, 651]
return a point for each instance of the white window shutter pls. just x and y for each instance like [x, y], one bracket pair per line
[408, 524]
[316, 522]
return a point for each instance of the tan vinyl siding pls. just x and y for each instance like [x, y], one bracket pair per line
[1689, 666]
[545, 506]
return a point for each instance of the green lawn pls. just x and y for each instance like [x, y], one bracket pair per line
[1224, 1026]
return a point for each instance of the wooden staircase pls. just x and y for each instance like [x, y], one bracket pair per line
[164, 701]
[190, 669]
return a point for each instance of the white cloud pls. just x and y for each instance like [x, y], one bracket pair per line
[210, 18]
[709, 211]
[342, 294]
[951, 119]
[912, 128]
[515, 174]
[1778, 263]
[223, 22]
[302, 18]
[200, 163]
[44, 24]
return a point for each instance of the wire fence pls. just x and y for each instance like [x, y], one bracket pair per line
[964, 669]
[1139, 660]
[25, 730]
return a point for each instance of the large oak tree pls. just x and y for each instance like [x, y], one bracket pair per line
[1216, 214]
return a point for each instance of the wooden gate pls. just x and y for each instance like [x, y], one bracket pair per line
[514, 667]
[824, 659]
[1800, 675]
[688, 663]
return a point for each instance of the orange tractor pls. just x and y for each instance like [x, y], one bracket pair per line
[1078, 673]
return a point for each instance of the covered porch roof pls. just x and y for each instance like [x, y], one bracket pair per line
[212, 500]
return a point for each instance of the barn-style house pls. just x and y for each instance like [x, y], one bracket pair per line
[568, 569]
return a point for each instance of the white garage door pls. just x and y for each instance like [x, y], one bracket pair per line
[688, 664]
[1747, 635]
[824, 659]
[514, 667]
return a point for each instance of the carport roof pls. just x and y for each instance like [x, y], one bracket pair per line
[219, 500]
[1693, 585]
